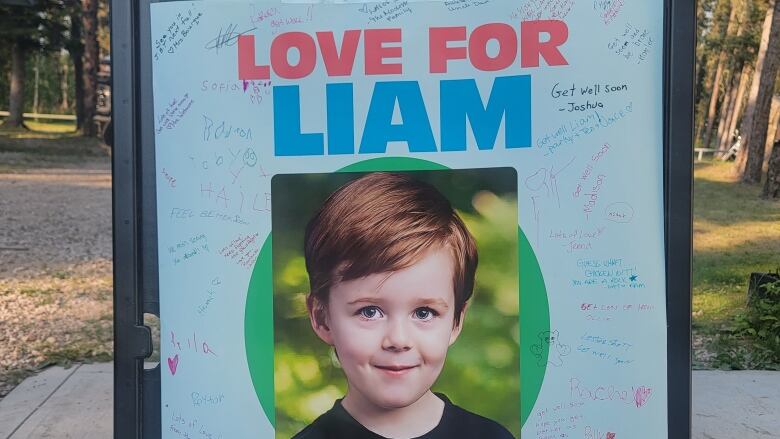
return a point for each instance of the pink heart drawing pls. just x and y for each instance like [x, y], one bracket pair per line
[610, 435]
[641, 395]
[173, 363]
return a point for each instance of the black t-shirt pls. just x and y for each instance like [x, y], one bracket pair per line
[455, 422]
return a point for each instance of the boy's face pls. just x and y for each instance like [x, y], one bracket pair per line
[392, 330]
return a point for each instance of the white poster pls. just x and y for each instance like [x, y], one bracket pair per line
[404, 219]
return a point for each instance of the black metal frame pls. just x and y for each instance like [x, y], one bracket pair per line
[137, 391]
[679, 65]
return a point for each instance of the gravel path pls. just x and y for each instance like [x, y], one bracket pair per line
[54, 218]
[55, 265]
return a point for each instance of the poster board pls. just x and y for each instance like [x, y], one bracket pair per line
[592, 283]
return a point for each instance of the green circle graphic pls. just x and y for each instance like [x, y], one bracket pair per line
[259, 319]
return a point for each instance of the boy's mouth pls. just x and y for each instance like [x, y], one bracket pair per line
[396, 370]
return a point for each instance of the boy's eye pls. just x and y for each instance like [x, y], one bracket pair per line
[370, 312]
[425, 313]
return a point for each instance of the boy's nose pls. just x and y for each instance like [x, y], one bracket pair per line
[396, 337]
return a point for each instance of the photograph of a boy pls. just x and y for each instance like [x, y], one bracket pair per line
[391, 269]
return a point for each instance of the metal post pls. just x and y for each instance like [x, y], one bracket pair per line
[679, 48]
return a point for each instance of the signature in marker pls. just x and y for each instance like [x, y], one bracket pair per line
[226, 37]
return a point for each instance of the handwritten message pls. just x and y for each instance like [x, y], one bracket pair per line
[610, 273]
[188, 249]
[609, 393]
[458, 5]
[609, 349]
[559, 420]
[633, 44]
[580, 128]
[211, 295]
[386, 11]
[190, 428]
[608, 10]
[595, 90]
[176, 33]
[543, 9]
[607, 311]
[173, 113]
[242, 250]
[577, 239]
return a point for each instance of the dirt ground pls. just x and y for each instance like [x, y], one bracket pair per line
[55, 255]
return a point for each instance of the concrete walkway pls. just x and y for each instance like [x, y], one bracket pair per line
[61, 403]
[77, 403]
[736, 404]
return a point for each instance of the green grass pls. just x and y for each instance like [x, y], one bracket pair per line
[35, 128]
[64, 126]
[45, 145]
[735, 233]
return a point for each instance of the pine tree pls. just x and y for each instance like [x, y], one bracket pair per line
[719, 73]
[712, 40]
[760, 97]
[91, 61]
[25, 29]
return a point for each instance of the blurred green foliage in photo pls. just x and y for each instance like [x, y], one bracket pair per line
[482, 372]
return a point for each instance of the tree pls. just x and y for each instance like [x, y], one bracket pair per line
[712, 41]
[76, 50]
[64, 83]
[760, 98]
[721, 65]
[38, 26]
[704, 15]
[740, 53]
[84, 50]
[772, 184]
[16, 35]
[91, 61]
[735, 109]
[16, 95]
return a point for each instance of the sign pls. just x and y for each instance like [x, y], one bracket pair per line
[288, 137]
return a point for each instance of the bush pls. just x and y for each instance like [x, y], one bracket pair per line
[754, 342]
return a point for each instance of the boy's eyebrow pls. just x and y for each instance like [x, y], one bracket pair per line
[365, 300]
[422, 302]
[435, 302]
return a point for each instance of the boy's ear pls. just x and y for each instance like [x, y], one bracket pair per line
[318, 319]
[456, 328]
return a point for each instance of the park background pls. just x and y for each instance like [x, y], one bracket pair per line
[55, 186]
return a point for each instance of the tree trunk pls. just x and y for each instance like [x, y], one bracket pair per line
[725, 109]
[702, 107]
[726, 114]
[36, 82]
[64, 85]
[16, 96]
[76, 51]
[90, 25]
[771, 132]
[772, 184]
[712, 110]
[761, 93]
[739, 102]
[708, 124]
[708, 67]
[736, 89]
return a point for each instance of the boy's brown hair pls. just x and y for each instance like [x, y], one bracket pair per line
[384, 222]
